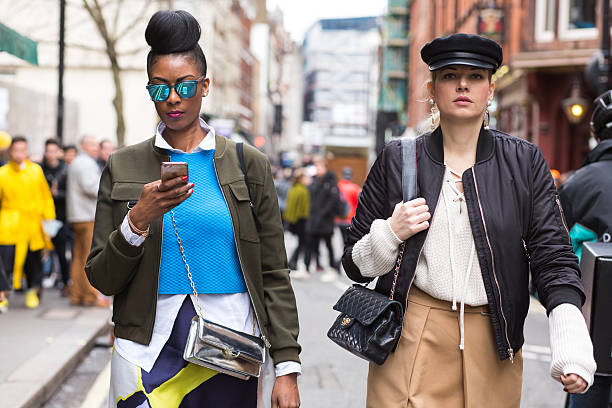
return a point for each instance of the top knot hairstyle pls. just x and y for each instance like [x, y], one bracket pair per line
[174, 32]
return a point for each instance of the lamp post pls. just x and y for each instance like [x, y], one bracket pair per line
[575, 106]
[60, 69]
[598, 72]
[606, 74]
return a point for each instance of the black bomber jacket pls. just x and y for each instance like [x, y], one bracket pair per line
[516, 220]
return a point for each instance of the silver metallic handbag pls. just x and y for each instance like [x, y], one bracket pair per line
[218, 347]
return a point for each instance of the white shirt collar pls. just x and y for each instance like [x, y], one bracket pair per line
[208, 143]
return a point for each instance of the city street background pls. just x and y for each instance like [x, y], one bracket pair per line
[299, 81]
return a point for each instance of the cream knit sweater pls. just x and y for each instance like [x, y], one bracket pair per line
[376, 252]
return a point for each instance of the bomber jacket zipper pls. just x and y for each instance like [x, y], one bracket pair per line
[526, 250]
[501, 306]
[263, 336]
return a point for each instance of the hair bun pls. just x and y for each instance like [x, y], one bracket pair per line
[171, 32]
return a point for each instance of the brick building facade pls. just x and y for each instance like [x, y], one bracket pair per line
[547, 45]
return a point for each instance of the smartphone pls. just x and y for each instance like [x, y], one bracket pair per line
[170, 170]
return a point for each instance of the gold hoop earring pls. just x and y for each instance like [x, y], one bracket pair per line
[487, 119]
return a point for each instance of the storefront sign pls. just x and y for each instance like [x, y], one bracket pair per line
[491, 23]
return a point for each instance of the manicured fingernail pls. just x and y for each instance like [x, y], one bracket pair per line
[184, 178]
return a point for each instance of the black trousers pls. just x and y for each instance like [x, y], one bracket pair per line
[62, 242]
[299, 229]
[32, 267]
[313, 248]
[5, 283]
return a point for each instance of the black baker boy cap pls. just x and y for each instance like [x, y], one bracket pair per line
[462, 49]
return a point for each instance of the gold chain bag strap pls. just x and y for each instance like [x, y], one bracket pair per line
[217, 347]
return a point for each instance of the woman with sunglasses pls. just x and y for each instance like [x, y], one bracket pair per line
[235, 252]
[487, 215]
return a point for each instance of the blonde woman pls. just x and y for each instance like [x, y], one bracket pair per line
[486, 215]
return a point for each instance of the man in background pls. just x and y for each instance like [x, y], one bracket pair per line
[586, 199]
[82, 194]
[106, 149]
[5, 142]
[56, 173]
[324, 198]
[70, 152]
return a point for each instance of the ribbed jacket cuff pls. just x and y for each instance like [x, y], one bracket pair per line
[120, 244]
[286, 354]
[560, 294]
[375, 253]
[572, 350]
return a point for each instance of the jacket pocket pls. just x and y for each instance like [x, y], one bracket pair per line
[122, 194]
[246, 223]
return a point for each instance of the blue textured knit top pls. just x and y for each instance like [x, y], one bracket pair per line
[205, 227]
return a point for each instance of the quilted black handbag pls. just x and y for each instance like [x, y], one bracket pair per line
[370, 323]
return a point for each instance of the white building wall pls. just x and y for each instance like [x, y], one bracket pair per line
[260, 47]
[87, 77]
[293, 84]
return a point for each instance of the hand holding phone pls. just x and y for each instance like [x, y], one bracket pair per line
[159, 197]
[170, 170]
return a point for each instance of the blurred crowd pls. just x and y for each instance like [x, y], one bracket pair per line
[47, 212]
[313, 203]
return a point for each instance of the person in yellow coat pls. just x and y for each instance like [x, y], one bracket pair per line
[25, 201]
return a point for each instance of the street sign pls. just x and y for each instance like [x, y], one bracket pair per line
[18, 45]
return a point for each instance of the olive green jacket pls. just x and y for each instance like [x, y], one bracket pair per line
[131, 274]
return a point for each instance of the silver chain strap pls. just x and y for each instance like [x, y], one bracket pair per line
[195, 293]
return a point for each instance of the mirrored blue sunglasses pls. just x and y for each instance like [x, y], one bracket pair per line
[184, 89]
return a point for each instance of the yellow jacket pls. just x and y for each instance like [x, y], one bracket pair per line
[25, 200]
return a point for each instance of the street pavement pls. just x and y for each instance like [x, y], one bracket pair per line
[331, 377]
[39, 348]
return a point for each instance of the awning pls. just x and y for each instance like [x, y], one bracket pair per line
[18, 45]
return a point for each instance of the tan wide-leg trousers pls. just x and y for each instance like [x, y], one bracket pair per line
[428, 370]
[81, 291]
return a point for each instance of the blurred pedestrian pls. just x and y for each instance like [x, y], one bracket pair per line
[556, 175]
[235, 250]
[56, 173]
[324, 202]
[296, 215]
[350, 192]
[5, 142]
[463, 279]
[81, 198]
[587, 202]
[25, 201]
[106, 149]
[282, 182]
[70, 153]
[5, 286]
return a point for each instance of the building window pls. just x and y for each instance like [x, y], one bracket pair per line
[545, 20]
[577, 19]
